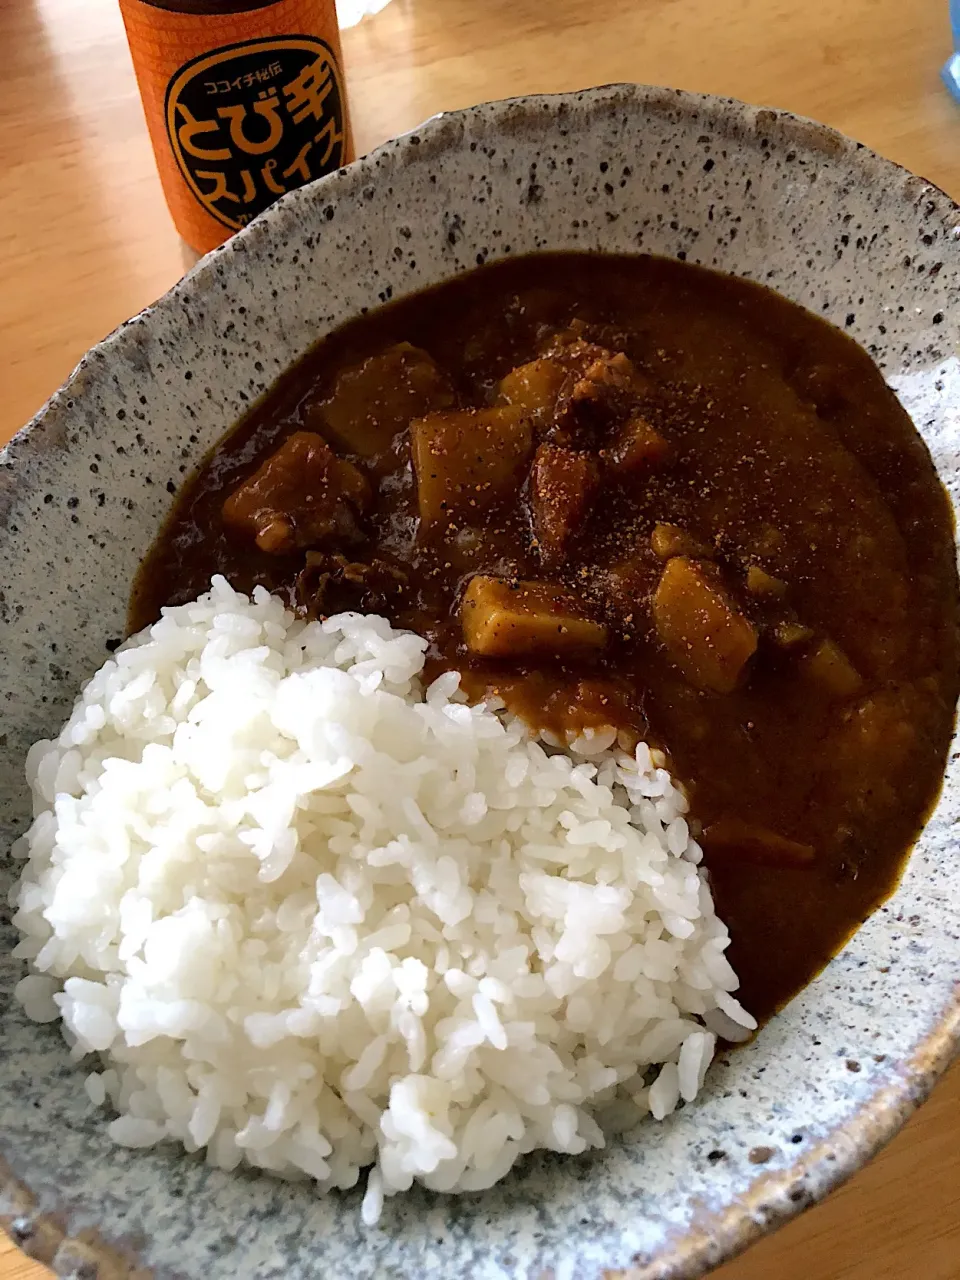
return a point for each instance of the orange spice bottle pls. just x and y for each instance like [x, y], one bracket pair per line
[244, 100]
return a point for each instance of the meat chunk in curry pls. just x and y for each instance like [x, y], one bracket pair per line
[300, 496]
[562, 484]
[330, 583]
[633, 493]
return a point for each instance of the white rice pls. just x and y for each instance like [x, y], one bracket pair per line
[314, 918]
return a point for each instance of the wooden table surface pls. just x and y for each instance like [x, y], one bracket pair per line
[85, 241]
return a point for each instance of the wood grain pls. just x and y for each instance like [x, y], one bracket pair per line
[85, 241]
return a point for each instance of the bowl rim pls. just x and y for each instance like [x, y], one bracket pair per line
[714, 1236]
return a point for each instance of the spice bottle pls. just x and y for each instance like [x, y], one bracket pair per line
[244, 100]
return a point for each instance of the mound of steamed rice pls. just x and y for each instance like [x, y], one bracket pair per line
[314, 917]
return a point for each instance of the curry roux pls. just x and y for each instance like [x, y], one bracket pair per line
[743, 525]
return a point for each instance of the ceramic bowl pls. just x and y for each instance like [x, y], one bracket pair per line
[84, 487]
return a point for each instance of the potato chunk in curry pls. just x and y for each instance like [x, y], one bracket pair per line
[638, 446]
[764, 585]
[468, 461]
[510, 619]
[669, 540]
[302, 495]
[375, 400]
[702, 630]
[534, 388]
[828, 668]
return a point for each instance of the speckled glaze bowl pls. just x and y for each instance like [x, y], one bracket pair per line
[84, 487]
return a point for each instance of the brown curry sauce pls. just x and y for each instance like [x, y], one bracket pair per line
[727, 429]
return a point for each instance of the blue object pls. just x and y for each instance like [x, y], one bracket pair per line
[951, 72]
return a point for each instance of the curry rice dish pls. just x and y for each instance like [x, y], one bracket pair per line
[581, 649]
